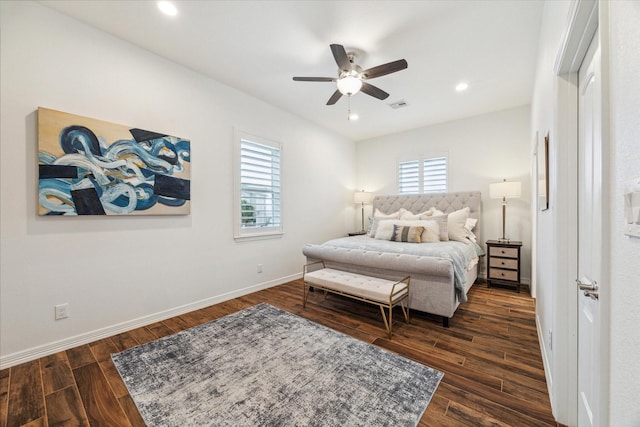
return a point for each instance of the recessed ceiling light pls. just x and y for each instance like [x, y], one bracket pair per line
[353, 116]
[462, 86]
[167, 8]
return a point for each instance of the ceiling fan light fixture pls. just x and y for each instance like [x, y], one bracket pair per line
[167, 8]
[462, 86]
[349, 85]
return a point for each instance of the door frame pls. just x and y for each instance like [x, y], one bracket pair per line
[585, 16]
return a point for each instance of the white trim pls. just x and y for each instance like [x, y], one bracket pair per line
[580, 28]
[545, 360]
[88, 337]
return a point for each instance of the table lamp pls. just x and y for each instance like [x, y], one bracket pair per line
[505, 190]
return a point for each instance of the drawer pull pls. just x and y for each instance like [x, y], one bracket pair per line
[502, 274]
[502, 251]
[502, 262]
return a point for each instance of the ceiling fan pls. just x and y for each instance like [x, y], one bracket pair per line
[351, 78]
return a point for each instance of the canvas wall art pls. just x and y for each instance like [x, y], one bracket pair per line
[93, 167]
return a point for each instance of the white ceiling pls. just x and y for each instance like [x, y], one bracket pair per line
[258, 46]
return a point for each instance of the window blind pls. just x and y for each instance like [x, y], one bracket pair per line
[428, 175]
[435, 175]
[259, 185]
[409, 177]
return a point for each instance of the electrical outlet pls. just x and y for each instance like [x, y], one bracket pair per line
[62, 311]
[259, 268]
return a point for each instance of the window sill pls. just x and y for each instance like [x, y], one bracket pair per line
[258, 236]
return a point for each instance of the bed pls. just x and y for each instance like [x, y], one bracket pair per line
[441, 273]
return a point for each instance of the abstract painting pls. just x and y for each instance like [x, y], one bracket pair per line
[93, 167]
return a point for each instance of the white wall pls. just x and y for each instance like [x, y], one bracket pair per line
[552, 302]
[556, 304]
[482, 150]
[625, 251]
[117, 271]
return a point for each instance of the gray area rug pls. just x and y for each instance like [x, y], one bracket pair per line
[266, 367]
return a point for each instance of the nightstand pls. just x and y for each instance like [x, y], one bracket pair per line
[503, 265]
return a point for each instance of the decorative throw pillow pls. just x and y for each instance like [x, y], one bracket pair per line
[407, 234]
[377, 215]
[411, 216]
[468, 227]
[470, 223]
[443, 226]
[384, 228]
[394, 215]
[429, 235]
[471, 236]
[456, 222]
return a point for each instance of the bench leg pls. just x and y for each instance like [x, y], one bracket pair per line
[388, 325]
[445, 321]
[405, 311]
[305, 294]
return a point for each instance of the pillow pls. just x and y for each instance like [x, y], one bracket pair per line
[456, 222]
[380, 216]
[471, 236]
[470, 223]
[395, 215]
[411, 216]
[385, 228]
[369, 225]
[430, 233]
[403, 233]
[441, 220]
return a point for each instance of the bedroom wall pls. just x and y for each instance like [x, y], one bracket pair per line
[552, 304]
[482, 150]
[119, 272]
[556, 303]
[624, 165]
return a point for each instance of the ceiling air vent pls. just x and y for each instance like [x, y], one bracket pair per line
[399, 104]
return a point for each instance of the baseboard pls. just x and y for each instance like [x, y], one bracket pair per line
[85, 338]
[545, 358]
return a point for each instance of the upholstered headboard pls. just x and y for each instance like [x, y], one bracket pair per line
[446, 202]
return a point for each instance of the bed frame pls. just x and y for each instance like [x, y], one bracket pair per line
[432, 287]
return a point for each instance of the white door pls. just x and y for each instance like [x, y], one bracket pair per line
[589, 235]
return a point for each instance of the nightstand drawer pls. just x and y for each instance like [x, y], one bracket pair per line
[499, 274]
[503, 252]
[511, 264]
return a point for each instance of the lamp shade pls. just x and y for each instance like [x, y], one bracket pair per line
[507, 190]
[362, 197]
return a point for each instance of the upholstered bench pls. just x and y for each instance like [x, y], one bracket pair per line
[386, 294]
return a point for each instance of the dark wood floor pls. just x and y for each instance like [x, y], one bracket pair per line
[490, 357]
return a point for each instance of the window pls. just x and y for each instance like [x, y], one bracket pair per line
[426, 175]
[257, 191]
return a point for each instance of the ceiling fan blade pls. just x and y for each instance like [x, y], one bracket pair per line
[373, 91]
[384, 69]
[335, 97]
[340, 55]
[314, 79]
